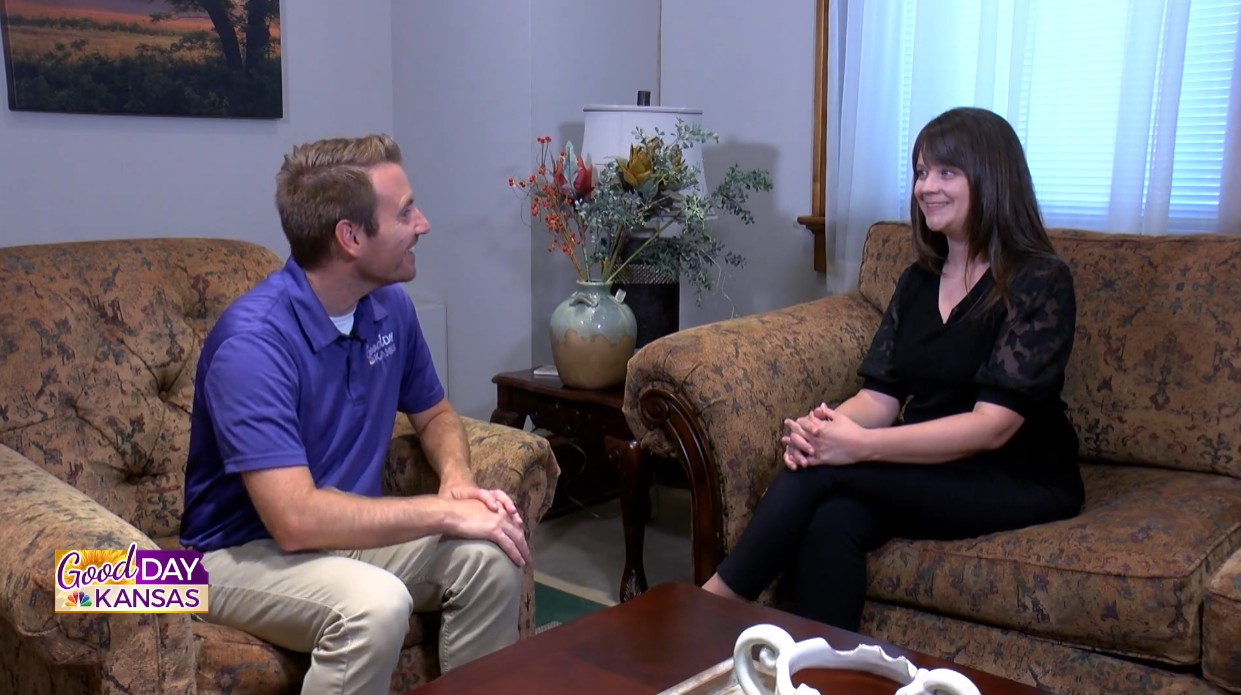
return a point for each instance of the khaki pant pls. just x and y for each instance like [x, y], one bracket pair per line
[350, 609]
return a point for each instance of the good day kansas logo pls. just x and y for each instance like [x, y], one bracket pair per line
[130, 581]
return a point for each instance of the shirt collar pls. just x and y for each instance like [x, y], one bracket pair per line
[316, 325]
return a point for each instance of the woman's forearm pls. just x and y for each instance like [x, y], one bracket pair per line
[870, 409]
[943, 440]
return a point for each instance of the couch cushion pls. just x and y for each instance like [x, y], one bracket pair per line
[1048, 665]
[1128, 575]
[1155, 376]
[98, 346]
[232, 662]
[1221, 627]
[886, 254]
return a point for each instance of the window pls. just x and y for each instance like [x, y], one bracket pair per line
[1122, 104]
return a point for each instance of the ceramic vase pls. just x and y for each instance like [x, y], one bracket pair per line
[593, 336]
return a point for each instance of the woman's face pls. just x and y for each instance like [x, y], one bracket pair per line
[943, 195]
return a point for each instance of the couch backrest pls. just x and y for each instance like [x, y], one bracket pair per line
[98, 346]
[1155, 376]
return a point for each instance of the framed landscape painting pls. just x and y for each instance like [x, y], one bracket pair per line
[144, 57]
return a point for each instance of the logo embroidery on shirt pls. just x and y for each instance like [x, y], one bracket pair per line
[382, 348]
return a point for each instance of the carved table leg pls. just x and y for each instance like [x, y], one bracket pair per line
[636, 476]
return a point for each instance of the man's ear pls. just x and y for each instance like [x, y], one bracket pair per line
[349, 238]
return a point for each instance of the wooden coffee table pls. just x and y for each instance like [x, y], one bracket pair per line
[659, 639]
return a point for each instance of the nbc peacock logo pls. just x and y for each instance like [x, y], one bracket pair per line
[130, 581]
[78, 599]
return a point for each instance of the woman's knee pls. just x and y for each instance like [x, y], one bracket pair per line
[844, 520]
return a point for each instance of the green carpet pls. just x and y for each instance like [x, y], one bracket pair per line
[554, 607]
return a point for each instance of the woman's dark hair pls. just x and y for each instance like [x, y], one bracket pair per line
[1004, 220]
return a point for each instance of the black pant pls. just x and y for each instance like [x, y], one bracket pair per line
[819, 523]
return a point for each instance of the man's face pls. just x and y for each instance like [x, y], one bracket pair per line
[388, 256]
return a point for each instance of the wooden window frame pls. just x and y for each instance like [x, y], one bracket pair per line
[815, 222]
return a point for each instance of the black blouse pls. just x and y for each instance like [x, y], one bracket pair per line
[1013, 356]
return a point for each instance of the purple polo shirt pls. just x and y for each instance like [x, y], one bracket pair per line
[279, 385]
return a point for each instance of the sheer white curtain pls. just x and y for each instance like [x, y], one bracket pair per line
[1127, 108]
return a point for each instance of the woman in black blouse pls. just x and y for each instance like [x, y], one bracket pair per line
[973, 347]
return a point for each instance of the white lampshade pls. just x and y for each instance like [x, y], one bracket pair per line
[609, 133]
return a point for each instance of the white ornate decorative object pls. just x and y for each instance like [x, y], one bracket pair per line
[784, 657]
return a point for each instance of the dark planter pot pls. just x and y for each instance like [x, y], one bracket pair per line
[654, 297]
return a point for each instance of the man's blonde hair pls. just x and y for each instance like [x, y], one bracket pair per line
[324, 182]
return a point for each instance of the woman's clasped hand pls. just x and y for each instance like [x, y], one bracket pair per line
[823, 437]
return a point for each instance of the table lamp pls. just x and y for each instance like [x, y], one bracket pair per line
[610, 131]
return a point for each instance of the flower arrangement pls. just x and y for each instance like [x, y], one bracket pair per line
[591, 211]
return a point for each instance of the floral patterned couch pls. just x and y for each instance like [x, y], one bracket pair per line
[98, 347]
[1140, 594]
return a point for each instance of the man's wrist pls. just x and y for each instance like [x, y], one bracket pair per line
[441, 516]
[457, 476]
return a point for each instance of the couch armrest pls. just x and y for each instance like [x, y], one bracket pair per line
[1221, 626]
[715, 397]
[501, 458]
[136, 653]
[406, 471]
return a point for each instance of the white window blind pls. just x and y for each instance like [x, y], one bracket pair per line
[1210, 58]
[1083, 85]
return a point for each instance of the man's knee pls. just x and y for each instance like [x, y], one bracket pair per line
[495, 567]
[484, 604]
[380, 604]
[320, 604]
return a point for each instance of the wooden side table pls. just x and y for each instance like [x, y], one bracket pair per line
[594, 418]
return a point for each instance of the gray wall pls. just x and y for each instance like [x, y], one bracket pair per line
[462, 114]
[750, 67]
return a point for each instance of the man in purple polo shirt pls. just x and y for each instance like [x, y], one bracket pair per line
[296, 396]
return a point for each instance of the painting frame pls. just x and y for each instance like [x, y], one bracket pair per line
[164, 58]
